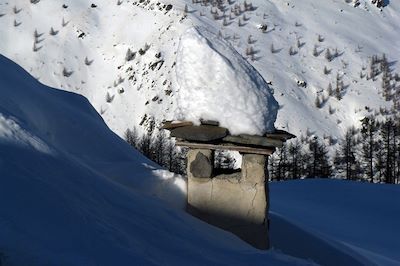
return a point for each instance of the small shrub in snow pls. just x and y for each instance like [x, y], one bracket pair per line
[64, 23]
[327, 71]
[88, 62]
[292, 51]
[225, 22]
[273, 50]
[36, 34]
[331, 110]
[67, 73]
[318, 102]
[118, 81]
[339, 87]
[315, 51]
[142, 51]
[109, 98]
[16, 24]
[328, 55]
[240, 24]
[16, 10]
[53, 32]
[130, 55]
[36, 48]
[330, 89]
[299, 43]
[250, 40]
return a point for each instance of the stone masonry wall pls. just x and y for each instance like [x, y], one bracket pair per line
[237, 202]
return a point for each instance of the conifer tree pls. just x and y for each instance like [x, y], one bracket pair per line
[368, 131]
[319, 165]
[295, 159]
[345, 158]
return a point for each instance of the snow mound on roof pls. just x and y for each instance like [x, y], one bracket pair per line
[217, 83]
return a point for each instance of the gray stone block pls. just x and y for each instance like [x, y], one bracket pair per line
[201, 133]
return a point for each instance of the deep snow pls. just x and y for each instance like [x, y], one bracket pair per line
[73, 193]
[339, 222]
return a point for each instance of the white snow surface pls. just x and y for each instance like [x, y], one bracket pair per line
[141, 87]
[93, 200]
[337, 222]
[216, 83]
[10, 131]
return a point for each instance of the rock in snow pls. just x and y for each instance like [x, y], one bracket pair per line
[217, 83]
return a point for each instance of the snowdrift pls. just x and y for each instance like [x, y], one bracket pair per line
[73, 193]
[338, 222]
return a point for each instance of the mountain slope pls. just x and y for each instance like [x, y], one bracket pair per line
[87, 52]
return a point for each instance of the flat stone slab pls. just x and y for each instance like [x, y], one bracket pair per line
[280, 134]
[254, 140]
[175, 124]
[201, 133]
[227, 147]
[209, 122]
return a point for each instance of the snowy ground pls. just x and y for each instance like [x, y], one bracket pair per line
[86, 53]
[337, 222]
[73, 193]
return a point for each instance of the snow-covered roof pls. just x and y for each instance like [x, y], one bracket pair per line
[216, 83]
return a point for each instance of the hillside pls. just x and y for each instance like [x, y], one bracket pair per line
[73, 193]
[339, 222]
[124, 56]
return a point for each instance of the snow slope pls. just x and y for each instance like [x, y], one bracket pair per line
[73, 193]
[337, 222]
[88, 55]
